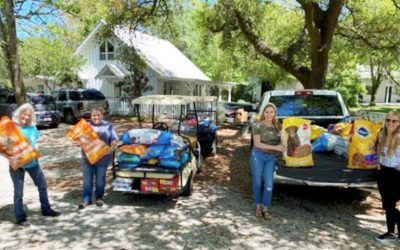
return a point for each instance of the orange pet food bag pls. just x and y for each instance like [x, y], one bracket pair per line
[133, 149]
[92, 145]
[14, 144]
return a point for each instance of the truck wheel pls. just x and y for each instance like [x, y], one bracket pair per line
[188, 188]
[69, 117]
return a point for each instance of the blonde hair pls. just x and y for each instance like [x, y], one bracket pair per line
[275, 122]
[24, 107]
[392, 139]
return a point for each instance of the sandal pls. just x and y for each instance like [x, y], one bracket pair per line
[259, 213]
[266, 214]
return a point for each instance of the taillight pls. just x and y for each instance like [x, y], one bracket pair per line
[303, 92]
[80, 106]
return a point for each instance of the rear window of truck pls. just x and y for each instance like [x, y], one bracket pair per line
[308, 105]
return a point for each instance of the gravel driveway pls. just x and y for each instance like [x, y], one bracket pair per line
[218, 215]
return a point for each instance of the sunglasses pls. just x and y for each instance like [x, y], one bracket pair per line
[390, 120]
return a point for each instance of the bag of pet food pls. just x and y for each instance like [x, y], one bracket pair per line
[146, 136]
[361, 150]
[296, 134]
[316, 132]
[14, 144]
[93, 147]
[133, 149]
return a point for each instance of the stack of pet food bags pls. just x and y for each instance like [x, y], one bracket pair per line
[297, 134]
[362, 152]
[152, 147]
[13, 144]
[93, 147]
[335, 138]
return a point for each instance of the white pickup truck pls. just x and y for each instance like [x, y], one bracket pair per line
[322, 107]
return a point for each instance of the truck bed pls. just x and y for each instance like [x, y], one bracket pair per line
[328, 168]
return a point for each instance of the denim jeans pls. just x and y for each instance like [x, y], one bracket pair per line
[93, 173]
[39, 180]
[262, 172]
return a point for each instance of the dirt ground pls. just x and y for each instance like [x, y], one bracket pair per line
[218, 215]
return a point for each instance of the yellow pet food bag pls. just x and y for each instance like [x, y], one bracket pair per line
[297, 134]
[92, 145]
[362, 151]
[316, 132]
[14, 144]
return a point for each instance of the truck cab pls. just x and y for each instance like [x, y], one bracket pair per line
[322, 107]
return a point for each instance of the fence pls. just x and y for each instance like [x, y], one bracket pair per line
[121, 106]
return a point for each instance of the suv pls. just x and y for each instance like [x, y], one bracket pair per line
[44, 105]
[322, 107]
[77, 103]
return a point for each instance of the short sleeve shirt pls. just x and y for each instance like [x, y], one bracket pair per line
[391, 162]
[268, 135]
[32, 135]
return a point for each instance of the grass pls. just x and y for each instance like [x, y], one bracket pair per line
[378, 108]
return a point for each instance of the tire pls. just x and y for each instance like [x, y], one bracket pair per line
[199, 157]
[188, 188]
[69, 117]
[54, 125]
[214, 147]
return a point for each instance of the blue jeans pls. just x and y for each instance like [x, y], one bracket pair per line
[39, 180]
[97, 173]
[262, 172]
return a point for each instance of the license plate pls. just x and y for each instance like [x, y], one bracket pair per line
[47, 119]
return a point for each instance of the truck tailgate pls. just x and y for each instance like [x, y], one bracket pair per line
[328, 168]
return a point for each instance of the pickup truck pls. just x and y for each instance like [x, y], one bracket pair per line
[322, 107]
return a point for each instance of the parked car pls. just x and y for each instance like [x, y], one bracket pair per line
[45, 107]
[74, 104]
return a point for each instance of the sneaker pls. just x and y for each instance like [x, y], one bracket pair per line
[99, 202]
[386, 238]
[51, 213]
[84, 205]
[23, 223]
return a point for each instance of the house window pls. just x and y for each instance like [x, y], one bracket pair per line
[107, 51]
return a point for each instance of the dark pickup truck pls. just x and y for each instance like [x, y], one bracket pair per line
[322, 107]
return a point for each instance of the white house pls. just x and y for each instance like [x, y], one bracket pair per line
[169, 70]
[388, 91]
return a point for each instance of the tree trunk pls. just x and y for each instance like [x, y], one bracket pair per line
[10, 50]
[376, 79]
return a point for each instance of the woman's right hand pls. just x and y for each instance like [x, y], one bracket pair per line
[280, 147]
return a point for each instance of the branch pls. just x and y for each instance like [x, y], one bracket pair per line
[301, 73]
[391, 77]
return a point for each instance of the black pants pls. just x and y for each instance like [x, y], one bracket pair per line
[389, 188]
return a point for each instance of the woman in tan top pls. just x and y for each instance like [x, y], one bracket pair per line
[267, 145]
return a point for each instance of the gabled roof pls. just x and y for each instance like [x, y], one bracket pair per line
[160, 55]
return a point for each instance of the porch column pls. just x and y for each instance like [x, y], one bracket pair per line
[229, 94]
[190, 87]
[219, 94]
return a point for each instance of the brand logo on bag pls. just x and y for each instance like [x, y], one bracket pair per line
[363, 132]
